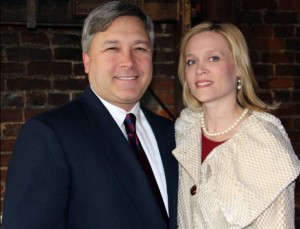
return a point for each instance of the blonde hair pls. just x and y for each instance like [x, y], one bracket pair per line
[246, 97]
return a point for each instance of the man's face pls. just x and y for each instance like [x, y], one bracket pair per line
[119, 63]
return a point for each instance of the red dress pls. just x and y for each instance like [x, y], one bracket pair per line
[207, 146]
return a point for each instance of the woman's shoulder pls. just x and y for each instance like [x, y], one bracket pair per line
[187, 119]
[186, 122]
[267, 118]
[189, 116]
[267, 126]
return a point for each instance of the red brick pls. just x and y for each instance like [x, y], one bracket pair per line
[297, 57]
[164, 43]
[258, 4]
[61, 68]
[70, 84]
[47, 68]
[11, 115]
[284, 31]
[279, 83]
[282, 95]
[287, 70]
[58, 99]
[166, 97]
[7, 145]
[277, 57]
[165, 69]
[64, 53]
[266, 43]
[10, 129]
[265, 96]
[164, 28]
[28, 54]
[296, 96]
[34, 38]
[297, 83]
[12, 100]
[162, 83]
[79, 70]
[12, 68]
[66, 39]
[161, 56]
[5, 158]
[254, 56]
[28, 84]
[3, 84]
[42, 68]
[290, 110]
[263, 69]
[292, 5]
[275, 17]
[36, 99]
[8, 38]
[293, 44]
[263, 30]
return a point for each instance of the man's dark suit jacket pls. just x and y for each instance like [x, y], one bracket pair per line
[73, 168]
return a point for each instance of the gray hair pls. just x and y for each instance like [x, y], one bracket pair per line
[101, 18]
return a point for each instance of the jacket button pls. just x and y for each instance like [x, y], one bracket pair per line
[193, 190]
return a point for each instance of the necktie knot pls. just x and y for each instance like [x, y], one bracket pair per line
[129, 123]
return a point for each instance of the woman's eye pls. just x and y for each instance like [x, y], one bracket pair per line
[214, 58]
[190, 62]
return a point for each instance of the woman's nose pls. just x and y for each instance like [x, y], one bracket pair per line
[201, 69]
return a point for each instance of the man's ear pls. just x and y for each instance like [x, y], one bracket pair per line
[86, 61]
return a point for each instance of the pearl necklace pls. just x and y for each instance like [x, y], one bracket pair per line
[224, 131]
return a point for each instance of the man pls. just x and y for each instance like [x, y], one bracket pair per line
[73, 167]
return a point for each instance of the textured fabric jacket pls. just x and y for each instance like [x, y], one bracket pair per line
[246, 182]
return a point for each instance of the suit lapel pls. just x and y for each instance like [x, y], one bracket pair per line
[120, 158]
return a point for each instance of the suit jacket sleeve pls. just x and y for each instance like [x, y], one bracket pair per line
[37, 181]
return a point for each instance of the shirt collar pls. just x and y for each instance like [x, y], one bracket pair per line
[119, 114]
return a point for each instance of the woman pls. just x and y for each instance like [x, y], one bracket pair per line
[237, 165]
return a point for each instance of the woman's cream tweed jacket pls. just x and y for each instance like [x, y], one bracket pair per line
[246, 182]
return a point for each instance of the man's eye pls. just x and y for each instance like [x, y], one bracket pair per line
[141, 49]
[190, 62]
[112, 49]
[214, 58]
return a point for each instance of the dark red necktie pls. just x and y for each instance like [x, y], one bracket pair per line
[136, 146]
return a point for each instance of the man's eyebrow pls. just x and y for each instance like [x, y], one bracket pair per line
[142, 42]
[108, 42]
[139, 41]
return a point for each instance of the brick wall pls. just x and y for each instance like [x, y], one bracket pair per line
[272, 29]
[42, 69]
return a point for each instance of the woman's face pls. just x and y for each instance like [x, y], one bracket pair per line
[210, 70]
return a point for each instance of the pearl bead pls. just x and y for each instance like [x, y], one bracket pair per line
[224, 131]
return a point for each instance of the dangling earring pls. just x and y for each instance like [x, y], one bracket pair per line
[239, 84]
